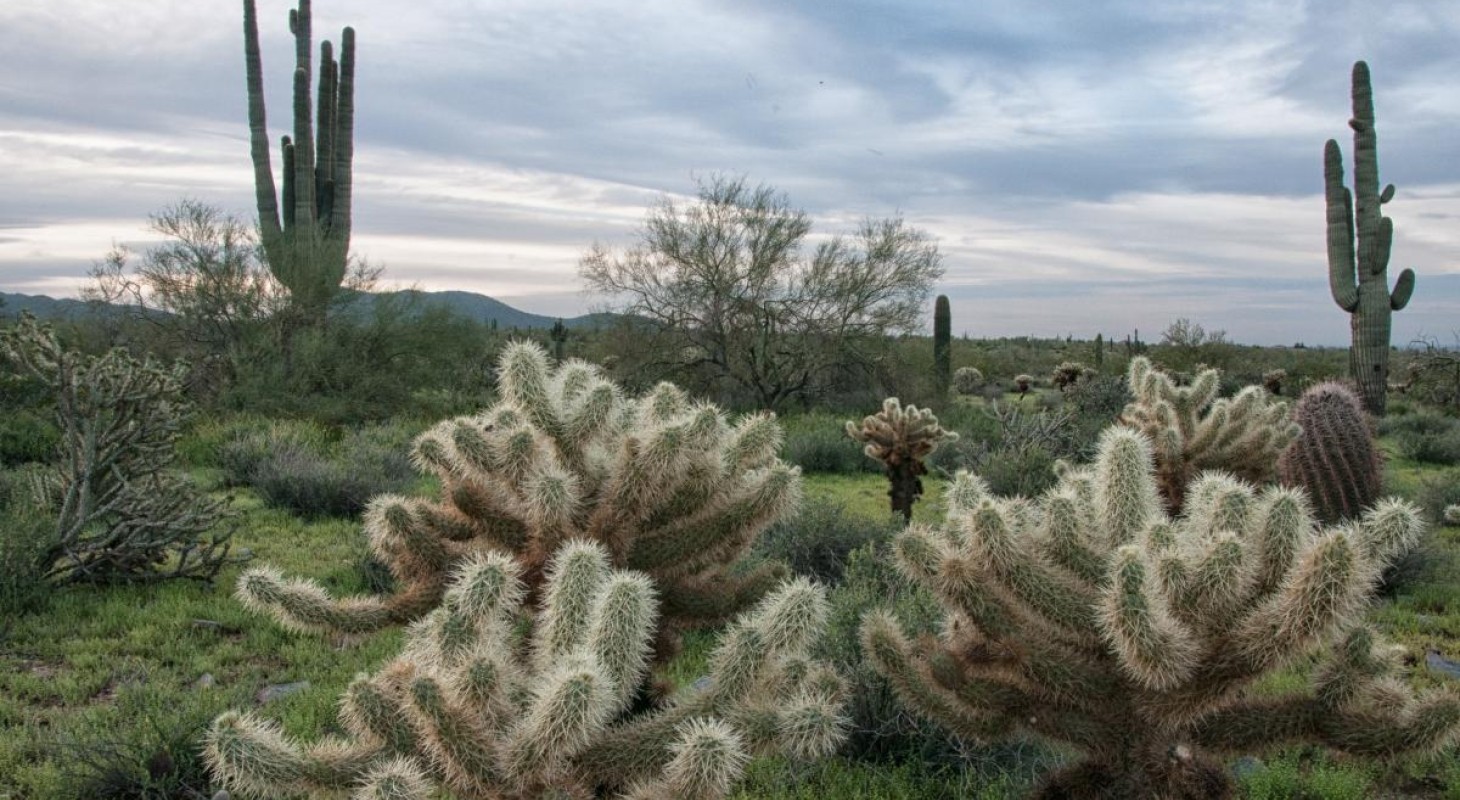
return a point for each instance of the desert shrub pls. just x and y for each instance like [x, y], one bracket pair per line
[817, 541]
[157, 759]
[305, 474]
[817, 442]
[27, 534]
[1432, 448]
[880, 728]
[967, 380]
[245, 456]
[1437, 493]
[27, 436]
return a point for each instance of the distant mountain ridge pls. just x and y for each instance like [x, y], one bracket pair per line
[476, 307]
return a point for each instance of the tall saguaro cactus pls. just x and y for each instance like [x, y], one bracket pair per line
[308, 247]
[942, 344]
[1359, 238]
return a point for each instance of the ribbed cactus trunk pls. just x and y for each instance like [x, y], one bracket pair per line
[307, 246]
[906, 486]
[942, 344]
[1359, 240]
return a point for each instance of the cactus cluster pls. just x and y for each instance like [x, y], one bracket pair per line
[1069, 373]
[1023, 382]
[1359, 238]
[472, 707]
[1193, 430]
[1452, 514]
[668, 486]
[901, 437]
[1091, 617]
[1335, 459]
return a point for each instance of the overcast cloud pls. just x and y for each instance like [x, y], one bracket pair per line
[1085, 167]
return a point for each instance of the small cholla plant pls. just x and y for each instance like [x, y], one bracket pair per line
[901, 437]
[471, 708]
[967, 380]
[1092, 617]
[667, 485]
[1452, 515]
[1069, 373]
[1273, 381]
[1193, 430]
[1022, 383]
[1335, 459]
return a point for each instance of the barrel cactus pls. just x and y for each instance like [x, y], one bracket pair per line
[1193, 430]
[901, 437]
[668, 486]
[1092, 617]
[1335, 459]
[471, 708]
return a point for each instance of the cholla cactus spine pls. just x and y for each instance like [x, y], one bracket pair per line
[901, 437]
[486, 719]
[1094, 618]
[1335, 459]
[1193, 430]
[668, 485]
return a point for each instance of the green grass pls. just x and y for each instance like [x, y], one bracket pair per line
[123, 664]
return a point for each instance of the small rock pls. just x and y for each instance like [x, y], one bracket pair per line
[701, 683]
[268, 694]
[1440, 664]
[208, 624]
[204, 681]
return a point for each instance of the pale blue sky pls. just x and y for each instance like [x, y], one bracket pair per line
[1085, 167]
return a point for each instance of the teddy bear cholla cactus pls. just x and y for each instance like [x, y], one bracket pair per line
[668, 486]
[1193, 430]
[1093, 618]
[470, 708]
[901, 437]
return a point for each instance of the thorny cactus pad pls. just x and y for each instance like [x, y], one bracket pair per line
[901, 437]
[1092, 617]
[471, 708]
[667, 485]
[1193, 430]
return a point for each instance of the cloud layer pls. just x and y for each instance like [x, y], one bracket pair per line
[1088, 168]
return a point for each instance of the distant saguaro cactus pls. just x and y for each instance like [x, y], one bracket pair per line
[1335, 459]
[1093, 618]
[667, 485]
[308, 249]
[1359, 239]
[942, 345]
[1193, 430]
[469, 708]
[901, 437]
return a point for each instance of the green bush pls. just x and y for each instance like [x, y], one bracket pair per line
[1426, 436]
[1436, 493]
[880, 728]
[27, 436]
[818, 541]
[295, 465]
[27, 533]
[817, 442]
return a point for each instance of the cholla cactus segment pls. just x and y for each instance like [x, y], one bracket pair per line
[1452, 515]
[901, 437]
[469, 709]
[1193, 430]
[1095, 618]
[669, 486]
[1335, 459]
